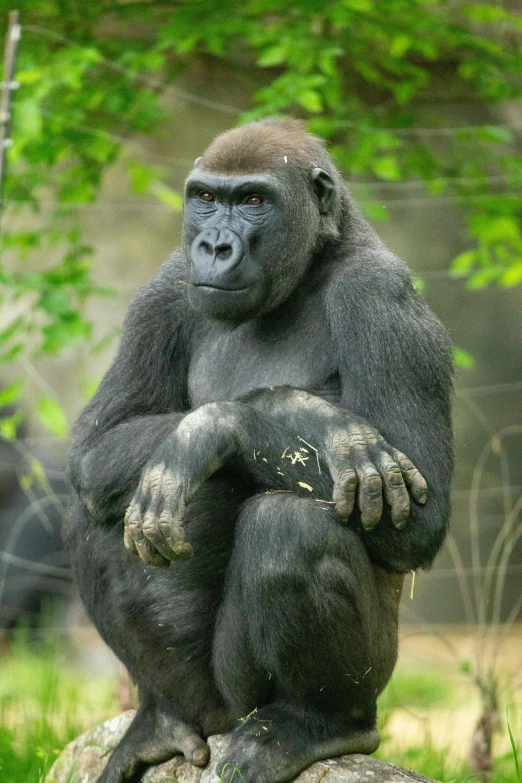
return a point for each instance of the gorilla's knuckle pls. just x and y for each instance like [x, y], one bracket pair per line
[149, 527]
[134, 526]
[347, 479]
[372, 480]
[341, 443]
[393, 475]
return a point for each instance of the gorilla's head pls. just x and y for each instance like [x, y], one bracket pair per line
[259, 204]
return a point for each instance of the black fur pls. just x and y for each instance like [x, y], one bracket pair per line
[282, 612]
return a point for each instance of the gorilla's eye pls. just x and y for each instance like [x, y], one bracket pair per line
[206, 196]
[254, 201]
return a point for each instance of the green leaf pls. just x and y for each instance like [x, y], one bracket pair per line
[29, 76]
[400, 45]
[386, 167]
[463, 359]
[10, 393]
[419, 284]
[141, 178]
[311, 101]
[167, 196]
[485, 12]
[54, 301]
[495, 133]
[359, 5]
[52, 416]
[463, 263]
[28, 117]
[512, 276]
[70, 329]
[275, 55]
[9, 425]
[89, 388]
[484, 277]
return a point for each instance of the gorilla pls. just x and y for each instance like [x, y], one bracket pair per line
[268, 454]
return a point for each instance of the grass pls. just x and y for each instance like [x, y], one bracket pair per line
[45, 702]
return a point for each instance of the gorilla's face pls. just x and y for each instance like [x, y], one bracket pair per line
[248, 239]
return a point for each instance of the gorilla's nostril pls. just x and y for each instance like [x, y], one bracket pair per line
[206, 247]
[224, 251]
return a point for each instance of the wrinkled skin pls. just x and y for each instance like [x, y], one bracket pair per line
[267, 456]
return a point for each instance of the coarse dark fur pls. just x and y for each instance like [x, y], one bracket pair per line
[283, 613]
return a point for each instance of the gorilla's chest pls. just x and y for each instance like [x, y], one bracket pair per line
[226, 363]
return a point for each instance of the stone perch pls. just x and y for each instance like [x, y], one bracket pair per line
[83, 760]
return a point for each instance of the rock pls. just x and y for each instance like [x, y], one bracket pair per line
[83, 761]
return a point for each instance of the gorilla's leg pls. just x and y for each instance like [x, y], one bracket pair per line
[160, 623]
[306, 639]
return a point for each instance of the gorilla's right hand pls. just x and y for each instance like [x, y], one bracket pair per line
[201, 444]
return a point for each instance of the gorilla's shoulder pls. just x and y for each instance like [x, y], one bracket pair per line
[167, 285]
[371, 273]
[164, 295]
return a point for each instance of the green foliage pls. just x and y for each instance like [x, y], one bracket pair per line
[53, 416]
[359, 71]
[44, 704]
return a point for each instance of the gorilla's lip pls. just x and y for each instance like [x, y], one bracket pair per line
[214, 287]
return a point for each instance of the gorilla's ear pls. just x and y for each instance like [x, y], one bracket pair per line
[324, 188]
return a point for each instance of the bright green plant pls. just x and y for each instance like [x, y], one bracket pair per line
[361, 72]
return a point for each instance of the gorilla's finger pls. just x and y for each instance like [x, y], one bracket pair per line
[344, 492]
[153, 532]
[174, 537]
[370, 495]
[128, 542]
[145, 549]
[412, 476]
[395, 490]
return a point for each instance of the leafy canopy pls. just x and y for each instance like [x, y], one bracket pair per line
[375, 77]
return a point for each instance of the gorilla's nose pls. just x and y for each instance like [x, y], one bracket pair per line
[221, 245]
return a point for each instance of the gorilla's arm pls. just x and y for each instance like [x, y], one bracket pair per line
[139, 402]
[396, 367]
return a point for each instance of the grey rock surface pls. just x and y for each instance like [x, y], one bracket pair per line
[83, 761]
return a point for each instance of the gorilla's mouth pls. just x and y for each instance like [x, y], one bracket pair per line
[214, 287]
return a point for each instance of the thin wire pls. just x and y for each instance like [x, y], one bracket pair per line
[498, 179]
[484, 391]
[514, 568]
[35, 566]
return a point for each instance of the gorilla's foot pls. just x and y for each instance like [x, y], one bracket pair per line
[276, 743]
[155, 735]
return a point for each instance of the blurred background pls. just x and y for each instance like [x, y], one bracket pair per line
[111, 102]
